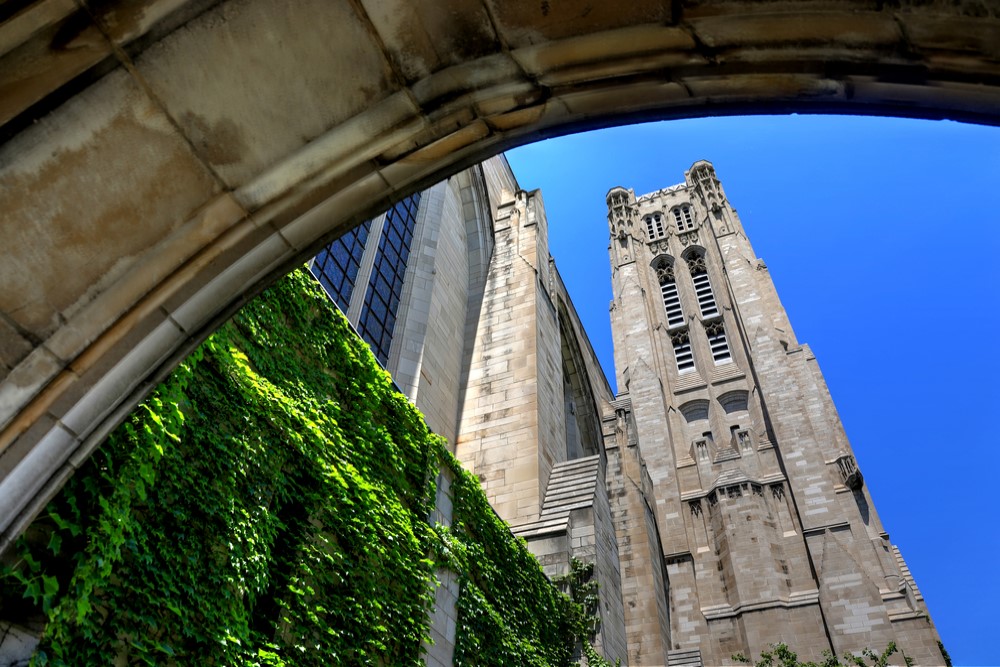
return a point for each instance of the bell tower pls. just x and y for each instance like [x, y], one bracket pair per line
[766, 530]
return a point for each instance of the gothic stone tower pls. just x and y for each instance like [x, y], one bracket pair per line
[766, 528]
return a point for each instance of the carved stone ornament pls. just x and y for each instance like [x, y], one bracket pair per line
[696, 264]
[849, 472]
[660, 245]
[689, 238]
[714, 327]
[665, 273]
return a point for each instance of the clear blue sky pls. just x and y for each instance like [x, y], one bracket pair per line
[883, 239]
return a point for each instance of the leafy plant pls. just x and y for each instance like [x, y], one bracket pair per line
[582, 587]
[779, 655]
[944, 654]
[267, 505]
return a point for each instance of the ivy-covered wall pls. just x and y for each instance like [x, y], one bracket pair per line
[268, 505]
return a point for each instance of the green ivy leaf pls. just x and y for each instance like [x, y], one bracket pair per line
[55, 543]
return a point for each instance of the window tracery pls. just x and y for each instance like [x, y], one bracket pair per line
[696, 263]
[683, 218]
[654, 226]
[682, 351]
[702, 285]
[717, 341]
[337, 265]
[378, 318]
[668, 292]
[665, 273]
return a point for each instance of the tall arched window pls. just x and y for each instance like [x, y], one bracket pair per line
[679, 338]
[717, 341]
[682, 350]
[715, 330]
[702, 286]
[668, 292]
[378, 317]
[654, 226]
[683, 218]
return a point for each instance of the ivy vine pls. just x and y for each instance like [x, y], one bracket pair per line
[582, 587]
[268, 505]
[780, 655]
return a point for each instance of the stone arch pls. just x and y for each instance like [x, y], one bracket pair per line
[663, 267]
[695, 410]
[693, 251]
[160, 167]
[735, 401]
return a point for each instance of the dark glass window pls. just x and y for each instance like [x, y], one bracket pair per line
[336, 266]
[378, 317]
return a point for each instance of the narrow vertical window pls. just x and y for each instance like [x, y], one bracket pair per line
[717, 341]
[378, 318]
[703, 291]
[668, 292]
[654, 226]
[336, 266]
[682, 351]
[702, 286]
[672, 304]
[683, 218]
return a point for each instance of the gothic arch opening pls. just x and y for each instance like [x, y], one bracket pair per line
[159, 169]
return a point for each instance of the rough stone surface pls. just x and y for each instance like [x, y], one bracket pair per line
[766, 528]
[488, 345]
[167, 159]
[121, 122]
[718, 501]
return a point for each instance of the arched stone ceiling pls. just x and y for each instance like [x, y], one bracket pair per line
[162, 160]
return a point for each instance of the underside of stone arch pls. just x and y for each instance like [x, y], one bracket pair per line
[162, 161]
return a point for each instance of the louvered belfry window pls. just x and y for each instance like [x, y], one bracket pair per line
[668, 291]
[683, 218]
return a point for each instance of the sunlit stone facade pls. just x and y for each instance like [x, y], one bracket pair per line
[716, 494]
[766, 528]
